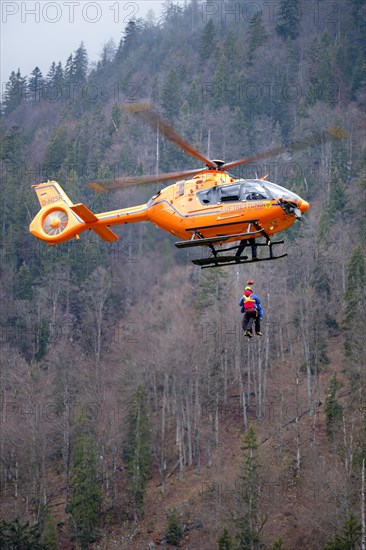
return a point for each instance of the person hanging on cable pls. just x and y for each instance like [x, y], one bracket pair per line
[250, 305]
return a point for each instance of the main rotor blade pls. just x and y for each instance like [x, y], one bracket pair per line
[310, 141]
[155, 121]
[128, 181]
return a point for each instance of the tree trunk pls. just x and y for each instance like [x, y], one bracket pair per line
[305, 327]
[363, 498]
[162, 462]
[298, 438]
[242, 397]
[197, 426]
[189, 420]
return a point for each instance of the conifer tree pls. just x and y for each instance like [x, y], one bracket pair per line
[35, 84]
[208, 42]
[80, 65]
[340, 164]
[23, 283]
[349, 535]
[69, 69]
[11, 150]
[108, 53]
[355, 298]
[118, 58]
[171, 95]
[232, 55]
[137, 452]
[42, 337]
[225, 540]
[333, 409]
[171, 11]
[337, 196]
[131, 35]
[194, 99]
[51, 72]
[54, 82]
[256, 34]
[49, 534]
[86, 495]
[174, 531]
[130, 40]
[288, 26]
[277, 544]
[18, 536]
[56, 152]
[322, 83]
[220, 95]
[59, 74]
[15, 92]
[350, 51]
[247, 493]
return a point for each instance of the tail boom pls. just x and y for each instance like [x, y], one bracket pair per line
[60, 220]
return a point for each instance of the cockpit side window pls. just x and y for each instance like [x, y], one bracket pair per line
[230, 193]
[253, 191]
[254, 196]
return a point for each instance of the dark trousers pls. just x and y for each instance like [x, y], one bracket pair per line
[248, 319]
[257, 323]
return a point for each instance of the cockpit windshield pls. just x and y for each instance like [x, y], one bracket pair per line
[280, 192]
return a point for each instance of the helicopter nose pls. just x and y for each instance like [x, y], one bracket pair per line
[304, 206]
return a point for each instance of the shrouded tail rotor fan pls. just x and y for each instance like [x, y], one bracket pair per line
[55, 222]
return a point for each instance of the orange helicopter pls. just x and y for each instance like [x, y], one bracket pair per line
[209, 207]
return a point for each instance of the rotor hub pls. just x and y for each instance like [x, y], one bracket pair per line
[55, 222]
[219, 163]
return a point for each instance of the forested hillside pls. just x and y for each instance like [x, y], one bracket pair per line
[134, 413]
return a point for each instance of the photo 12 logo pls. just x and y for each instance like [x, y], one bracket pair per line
[18, 410]
[69, 11]
[320, 12]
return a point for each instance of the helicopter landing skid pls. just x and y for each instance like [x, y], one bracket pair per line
[219, 260]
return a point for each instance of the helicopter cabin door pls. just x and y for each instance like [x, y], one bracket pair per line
[230, 201]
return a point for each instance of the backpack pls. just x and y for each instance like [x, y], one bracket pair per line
[249, 302]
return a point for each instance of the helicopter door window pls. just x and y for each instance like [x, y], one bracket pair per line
[230, 193]
[208, 197]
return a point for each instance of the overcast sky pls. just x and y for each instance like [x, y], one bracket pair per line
[40, 32]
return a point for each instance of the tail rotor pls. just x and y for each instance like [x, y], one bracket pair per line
[55, 222]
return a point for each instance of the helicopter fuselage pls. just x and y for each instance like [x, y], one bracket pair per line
[210, 205]
[214, 204]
